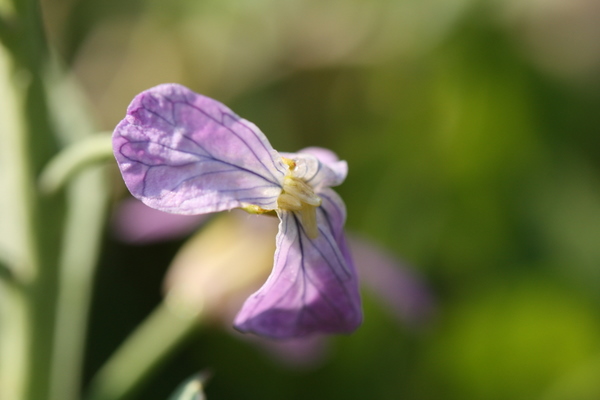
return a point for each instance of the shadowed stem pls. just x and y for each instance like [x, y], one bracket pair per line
[77, 169]
[36, 227]
[87, 199]
[30, 305]
[153, 341]
[35, 220]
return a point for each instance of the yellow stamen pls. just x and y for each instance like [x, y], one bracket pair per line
[253, 209]
[308, 214]
[298, 196]
[289, 202]
[290, 163]
[301, 190]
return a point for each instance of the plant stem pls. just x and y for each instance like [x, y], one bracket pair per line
[33, 222]
[19, 238]
[87, 197]
[87, 200]
[140, 355]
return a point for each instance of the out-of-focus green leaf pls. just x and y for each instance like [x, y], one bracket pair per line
[581, 383]
[512, 338]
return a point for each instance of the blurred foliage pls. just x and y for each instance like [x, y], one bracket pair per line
[471, 155]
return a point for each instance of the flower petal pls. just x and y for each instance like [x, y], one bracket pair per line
[313, 286]
[185, 153]
[135, 223]
[320, 168]
[217, 268]
[394, 283]
[305, 353]
[324, 155]
[334, 209]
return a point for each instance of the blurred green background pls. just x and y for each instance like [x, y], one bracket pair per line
[472, 132]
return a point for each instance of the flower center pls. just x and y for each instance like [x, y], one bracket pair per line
[299, 196]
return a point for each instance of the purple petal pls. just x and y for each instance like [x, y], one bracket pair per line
[331, 161]
[313, 287]
[393, 283]
[324, 155]
[136, 223]
[334, 208]
[303, 353]
[185, 153]
[220, 266]
[318, 172]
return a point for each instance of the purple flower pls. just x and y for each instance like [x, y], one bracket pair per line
[185, 153]
[135, 223]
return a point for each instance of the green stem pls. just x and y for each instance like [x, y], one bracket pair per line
[87, 196]
[73, 159]
[18, 185]
[87, 201]
[5, 31]
[28, 139]
[13, 343]
[141, 354]
[6, 274]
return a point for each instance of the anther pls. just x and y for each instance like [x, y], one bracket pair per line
[301, 190]
[290, 163]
